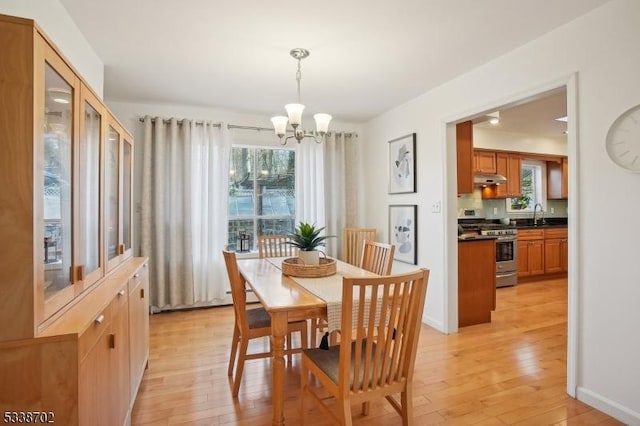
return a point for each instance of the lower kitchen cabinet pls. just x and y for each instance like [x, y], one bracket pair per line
[139, 331]
[530, 253]
[80, 367]
[476, 281]
[542, 252]
[556, 251]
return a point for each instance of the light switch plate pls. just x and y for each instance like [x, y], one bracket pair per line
[436, 207]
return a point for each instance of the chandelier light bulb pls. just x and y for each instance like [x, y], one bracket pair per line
[294, 111]
[322, 123]
[280, 125]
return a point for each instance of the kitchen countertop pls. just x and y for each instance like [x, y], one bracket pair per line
[540, 226]
[475, 237]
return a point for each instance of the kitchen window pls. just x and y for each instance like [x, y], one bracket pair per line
[533, 190]
[261, 193]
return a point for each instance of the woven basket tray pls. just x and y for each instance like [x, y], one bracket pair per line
[294, 267]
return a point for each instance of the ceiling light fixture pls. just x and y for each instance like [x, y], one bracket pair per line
[563, 119]
[294, 112]
[494, 121]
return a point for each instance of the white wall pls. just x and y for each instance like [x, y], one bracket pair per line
[54, 20]
[523, 142]
[602, 47]
[129, 114]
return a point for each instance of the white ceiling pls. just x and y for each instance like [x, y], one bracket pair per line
[535, 116]
[367, 56]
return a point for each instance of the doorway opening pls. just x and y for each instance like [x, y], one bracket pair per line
[517, 115]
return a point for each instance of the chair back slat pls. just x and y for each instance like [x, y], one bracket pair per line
[383, 328]
[275, 246]
[352, 240]
[238, 290]
[377, 257]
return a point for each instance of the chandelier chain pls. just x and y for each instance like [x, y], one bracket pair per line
[298, 78]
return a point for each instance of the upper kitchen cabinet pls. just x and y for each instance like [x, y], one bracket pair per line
[118, 193]
[509, 165]
[558, 179]
[53, 136]
[484, 161]
[464, 155]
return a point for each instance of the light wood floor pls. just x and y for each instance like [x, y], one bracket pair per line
[512, 371]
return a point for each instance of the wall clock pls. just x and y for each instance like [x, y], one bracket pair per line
[623, 140]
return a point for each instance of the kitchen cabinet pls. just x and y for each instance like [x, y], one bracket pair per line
[558, 179]
[484, 161]
[556, 251]
[464, 157]
[530, 253]
[139, 331]
[476, 281]
[66, 181]
[118, 193]
[508, 165]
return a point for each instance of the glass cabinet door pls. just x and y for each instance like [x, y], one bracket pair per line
[57, 183]
[112, 194]
[89, 246]
[127, 167]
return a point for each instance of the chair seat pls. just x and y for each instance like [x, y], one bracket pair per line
[328, 360]
[258, 318]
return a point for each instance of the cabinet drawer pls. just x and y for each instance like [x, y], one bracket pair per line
[121, 299]
[91, 335]
[138, 276]
[555, 233]
[530, 234]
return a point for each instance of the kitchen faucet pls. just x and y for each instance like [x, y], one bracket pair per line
[535, 223]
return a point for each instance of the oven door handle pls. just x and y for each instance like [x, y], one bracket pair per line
[505, 274]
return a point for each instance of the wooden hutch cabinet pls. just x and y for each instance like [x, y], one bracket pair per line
[74, 312]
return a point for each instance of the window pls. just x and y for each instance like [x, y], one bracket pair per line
[532, 188]
[261, 193]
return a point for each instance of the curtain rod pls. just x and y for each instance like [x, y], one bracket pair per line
[167, 121]
[238, 126]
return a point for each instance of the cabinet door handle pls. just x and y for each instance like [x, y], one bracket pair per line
[100, 319]
[121, 293]
[112, 341]
[142, 293]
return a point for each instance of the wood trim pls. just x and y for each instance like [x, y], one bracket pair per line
[16, 171]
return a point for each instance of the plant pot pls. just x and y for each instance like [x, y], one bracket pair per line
[309, 257]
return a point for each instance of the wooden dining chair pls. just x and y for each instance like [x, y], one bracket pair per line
[380, 358]
[275, 246]
[251, 324]
[377, 258]
[352, 240]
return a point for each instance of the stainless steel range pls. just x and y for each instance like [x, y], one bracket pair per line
[474, 221]
[506, 252]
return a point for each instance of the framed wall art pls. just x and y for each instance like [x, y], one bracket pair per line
[402, 164]
[403, 232]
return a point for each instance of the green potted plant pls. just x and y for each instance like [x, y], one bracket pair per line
[307, 238]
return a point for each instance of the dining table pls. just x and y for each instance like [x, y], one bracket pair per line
[288, 298]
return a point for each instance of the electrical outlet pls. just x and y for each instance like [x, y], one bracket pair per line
[495, 210]
[553, 210]
[435, 207]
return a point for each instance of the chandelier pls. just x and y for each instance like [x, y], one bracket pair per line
[294, 112]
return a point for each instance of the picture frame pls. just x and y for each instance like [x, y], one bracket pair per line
[403, 232]
[402, 164]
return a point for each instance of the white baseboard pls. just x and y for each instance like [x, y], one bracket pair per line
[612, 408]
[431, 322]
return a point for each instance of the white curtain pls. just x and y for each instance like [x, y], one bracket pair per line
[183, 212]
[310, 206]
[335, 164]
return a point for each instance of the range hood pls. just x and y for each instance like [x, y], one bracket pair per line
[488, 179]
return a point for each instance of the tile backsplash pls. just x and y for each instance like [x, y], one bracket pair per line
[475, 201]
